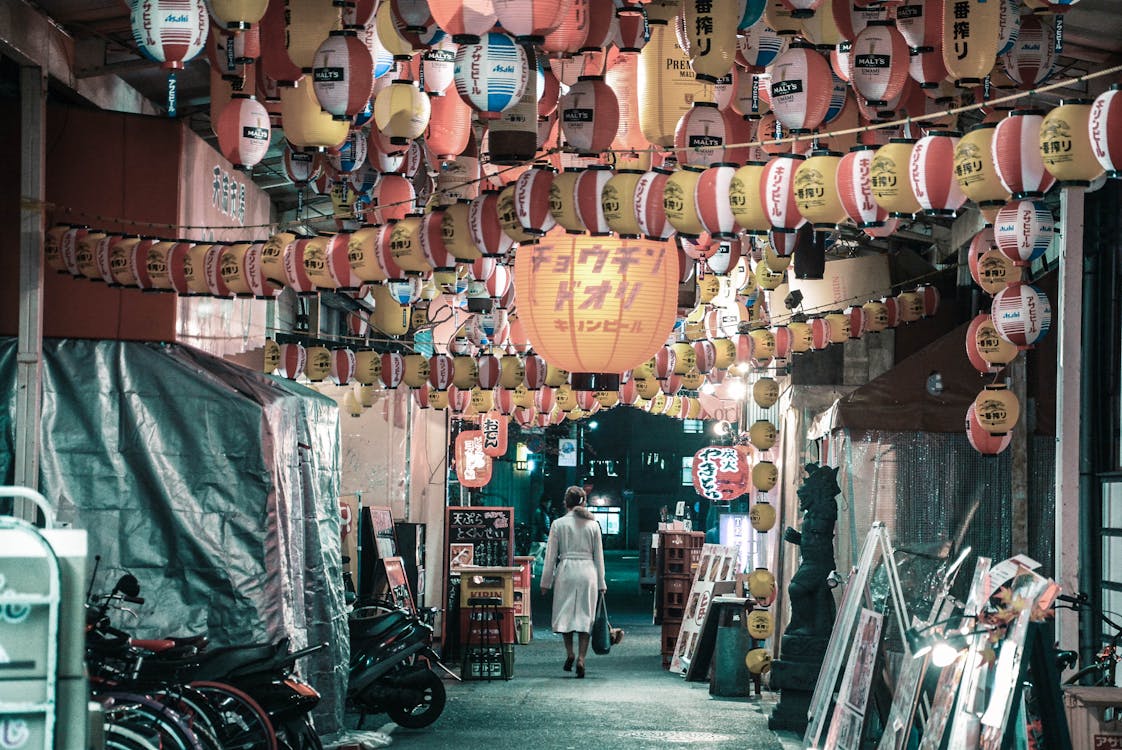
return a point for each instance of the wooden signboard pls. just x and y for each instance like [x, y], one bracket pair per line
[716, 574]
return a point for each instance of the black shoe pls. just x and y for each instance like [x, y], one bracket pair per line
[580, 670]
[568, 666]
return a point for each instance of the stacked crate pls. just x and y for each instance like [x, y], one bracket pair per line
[523, 581]
[678, 555]
[487, 631]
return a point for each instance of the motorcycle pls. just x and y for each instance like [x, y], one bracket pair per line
[391, 667]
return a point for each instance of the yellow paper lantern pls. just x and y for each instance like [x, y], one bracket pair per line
[272, 356]
[761, 584]
[362, 252]
[692, 380]
[415, 370]
[318, 365]
[765, 476]
[512, 371]
[405, 245]
[439, 399]
[237, 14]
[566, 397]
[991, 347]
[997, 409]
[762, 435]
[780, 17]
[523, 396]
[272, 256]
[685, 358]
[563, 202]
[765, 392]
[889, 181]
[305, 124]
[455, 228]
[710, 36]
[618, 201]
[482, 400]
[392, 39]
[802, 338]
[768, 279]
[909, 306]
[708, 287]
[607, 399]
[555, 376]
[648, 387]
[839, 326]
[367, 394]
[776, 263]
[85, 257]
[765, 344]
[390, 316]
[508, 216]
[465, 372]
[679, 201]
[307, 24]
[760, 625]
[724, 354]
[401, 112]
[821, 29]
[1065, 144]
[758, 661]
[974, 169]
[667, 85]
[876, 316]
[368, 367]
[596, 304]
[762, 516]
[971, 35]
[120, 264]
[816, 190]
[194, 266]
[745, 200]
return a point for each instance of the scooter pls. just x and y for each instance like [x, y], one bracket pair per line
[387, 674]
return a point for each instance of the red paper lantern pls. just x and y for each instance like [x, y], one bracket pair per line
[932, 182]
[293, 357]
[536, 370]
[393, 198]
[921, 22]
[700, 136]
[343, 74]
[706, 355]
[490, 370]
[493, 426]
[1032, 61]
[1016, 155]
[632, 32]
[486, 229]
[243, 131]
[531, 200]
[712, 197]
[878, 63]
[473, 466]
[590, 208]
[589, 115]
[1105, 127]
[441, 371]
[926, 67]
[1023, 230]
[721, 473]
[651, 216]
[342, 366]
[778, 194]
[855, 191]
[801, 83]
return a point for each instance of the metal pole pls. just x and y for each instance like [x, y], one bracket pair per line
[29, 359]
[1018, 454]
[409, 460]
[1069, 382]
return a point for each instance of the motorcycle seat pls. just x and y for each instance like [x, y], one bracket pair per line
[221, 662]
[377, 627]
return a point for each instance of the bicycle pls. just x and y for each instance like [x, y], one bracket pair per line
[1103, 671]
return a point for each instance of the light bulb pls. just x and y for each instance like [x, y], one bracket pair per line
[707, 388]
[737, 389]
[943, 654]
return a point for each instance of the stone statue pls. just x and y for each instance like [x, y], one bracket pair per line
[812, 603]
[806, 638]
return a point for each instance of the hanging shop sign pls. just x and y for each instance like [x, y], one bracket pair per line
[493, 427]
[721, 473]
[473, 466]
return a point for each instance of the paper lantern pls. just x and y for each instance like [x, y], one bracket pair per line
[974, 168]
[530, 20]
[800, 88]
[889, 181]
[971, 35]
[1032, 59]
[170, 32]
[762, 434]
[777, 190]
[855, 188]
[710, 36]
[1022, 314]
[1015, 151]
[531, 200]
[711, 199]
[618, 202]
[1023, 230]
[745, 199]
[920, 22]
[402, 112]
[318, 364]
[306, 125]
[243, 131]
[579, 306]
[816, 190]
[989, 267]
[589, 115]
[878, 63]
[700, 136]
[760, 625]
[987, 351]
[667, 86]
[997, 409]
[473, 466]
[343, 74]
[465, 21]
[981, 439]
[934, 186]
[1105, 128]
[679, 201]
[650, 191]
[293, 359]
[876, 316]
[761, 585]
[491, 74]
[587, 191]
[393, 198]
[721, 473]
[1065, 144]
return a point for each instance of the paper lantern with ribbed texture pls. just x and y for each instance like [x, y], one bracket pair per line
[618, 201]
[987, 351]
[997, 409]
[721, 472]
[485, 227]
[711, 198]
[343, 74]
[1065, 144]
[878, 63]
[920, 22]
[667, 86]
[759, 46]
[1105, 129]
[301, 166]
[777, 190]
[1032, 59]
[855, 189]
[745, 199]
[393, 198]
[700, 136]
[1015, 151]
[800, 88]
[974, 169]
[816, 190]
[597, 305]
[679, 201]
[589, 115]
[569, 35]
[981, 439]
[1022, 314]
[530, 20]
[170, 32]
[237, 14]
[449, 127]
[587, 192]
[306, 125]
[402, 112]
[293, 358]
[1023, 230]
[932, 183]
[650, 190]
[491, 74]
[710, 36]
[243, 131]
[971, 36]
[531, 200]
[465, 20]
[889, 180]
[563, 201]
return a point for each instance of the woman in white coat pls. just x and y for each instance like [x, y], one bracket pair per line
[574, 568]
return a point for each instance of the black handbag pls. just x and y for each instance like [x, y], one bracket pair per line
[601, 629]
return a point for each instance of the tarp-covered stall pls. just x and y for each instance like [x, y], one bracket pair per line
[215, 485]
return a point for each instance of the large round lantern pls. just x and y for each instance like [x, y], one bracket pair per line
[777, 191]
[721, 473]
[1105, 129]
[650, 191]
[878, 63]
[710, 36]
[530, 20]
[816, 190]
[343, 74]
[490, 75]
[293, 359]
[587, 192]
[618, 302]
[170, 32]
[1022, 314]
[987, 351]
[974, 169]
[402, 112]
[1065, 144]
[971, 36]
[1023, 230]
[589, 115]
[997, 409]
[745, 199]
[243, 131]
[855, 189]
[712, 202]
[466, 22]
[981, 439]
[667, 86]
[933, 184]
[800, 88]
[700, 136]
[618, 199]
[991, 269]
[889, 180]
[1032, 60]
[306, 125]
[679, 201]
[1016, 154]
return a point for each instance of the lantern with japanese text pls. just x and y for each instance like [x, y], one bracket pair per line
[889, 181]
[473, 466]
[981, 439]
[592, 305]
[855, 189]
[589, 115]
[997, 409]
[402, 112]
[1105, 128]
[306, 125]
[800, 88]
[587, 192]
[765, 475]
[932, 183]
[987, 351]
[293, 358]
[1016, 154]
[700, 136]
[493, 426]
[679, 201]
[531, 200]
[721, 473]
[1023, 230]
[1065, 144]
[667, 86]
[618, 200]
[1022, 314]
[243, 131]
[343, 74]
[745, 199]
[318, 364]
[974, 169]
[710, 35]
[971, 35]
[342, 366]
[491, 74]
[712, 202]
[777, 191]
[170, 32]
[816, 190]
[1032, 59]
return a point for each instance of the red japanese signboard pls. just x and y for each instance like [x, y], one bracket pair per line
[493, 427]
[473, 466]
[721, 472]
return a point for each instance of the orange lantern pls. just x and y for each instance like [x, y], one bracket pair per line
[721, 473]
[473, 466]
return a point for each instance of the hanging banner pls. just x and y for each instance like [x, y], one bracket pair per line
[473, 466]
[566, 452]
[721, 472]
[493, 427]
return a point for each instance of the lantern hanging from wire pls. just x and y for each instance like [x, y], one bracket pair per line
[777, 191]
[878, 63]
[801, 82]
[934, 186]
[667, 86]
[980, 438]
[529, 21]
[971, 35]
[1023, 230]
[587, 193]
[342, 74]
[679, 201]
[889, 181]
[746, 201]
[650, 191]
[589, 115]
[402, 112]
[306, 125]
[1065, 144]
[1105, 128]
[711, 36]
[465, 21]
[987, 351]
[491, 74]
[1032, 59]
[816, 190]
[1022, 314]
[997, 409]
[855, 190]
[759, 46]
[975, 172]
[700, 136]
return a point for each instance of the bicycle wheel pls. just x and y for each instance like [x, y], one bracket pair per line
[123, 738]
[244, 724]
[151, 719]
[196, 711]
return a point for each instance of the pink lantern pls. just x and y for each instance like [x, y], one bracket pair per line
[337, 257]
[706, 355]
[649, 211]
[1016, 154]
[921, 22]
[700, 136]
[342, 366]
[293, 358]
[1105, 127]
[1022, 314]
[712, 199]
[436, 252]
[465, 21]
[856, 315]
[243, 131]
[493, 426]
[664, 362]
[393, 369]
[1023, 230]
[295, 272]
[855, 191]
[393, 198]
[489, 370]
[878, 63]
[982, 440]
[536, 369]
[931, 298]
[486, 229]
[531, 200]
[777, 192]
[441, 371]
[590, 209]
[926, 67]
[343, 74]
[784, 341]
[819, 333]
[726, 255]
[631, 32]
[801, 83]
[530, 21]
[934, 185]
[589, 115]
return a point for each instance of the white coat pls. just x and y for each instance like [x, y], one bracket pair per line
[574, 568]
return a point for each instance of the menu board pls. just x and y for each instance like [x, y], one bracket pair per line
[473, 535]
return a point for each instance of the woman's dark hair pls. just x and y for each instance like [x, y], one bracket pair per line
[574, 496]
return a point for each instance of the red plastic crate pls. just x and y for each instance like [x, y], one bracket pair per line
[676, 584]
[482, 626]
[679, 561]
[670, 539]
[524, 578]
[672, 599]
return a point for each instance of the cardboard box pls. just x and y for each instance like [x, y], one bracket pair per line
[1094, 716]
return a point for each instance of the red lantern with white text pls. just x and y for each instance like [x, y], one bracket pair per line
[1016, 154]
[933, 184]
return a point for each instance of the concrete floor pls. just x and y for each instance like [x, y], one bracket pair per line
[625, 701]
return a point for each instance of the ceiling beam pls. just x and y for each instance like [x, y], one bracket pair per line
[31, 38]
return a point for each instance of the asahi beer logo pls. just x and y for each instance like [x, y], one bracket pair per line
[872, 60]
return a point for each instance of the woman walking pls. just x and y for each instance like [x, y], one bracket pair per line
[574, 568]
